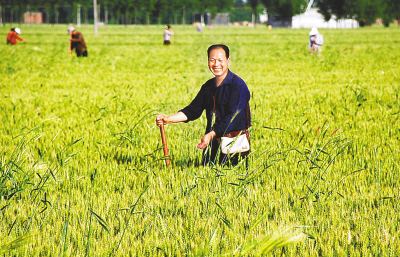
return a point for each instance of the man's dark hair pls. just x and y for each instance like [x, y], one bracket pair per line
[224, 47]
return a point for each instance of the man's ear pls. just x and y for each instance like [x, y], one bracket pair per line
[228, 61]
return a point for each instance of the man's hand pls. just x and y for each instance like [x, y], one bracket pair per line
[206, 139]
[161, 119]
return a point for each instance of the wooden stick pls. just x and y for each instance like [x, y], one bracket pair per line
[165, 146]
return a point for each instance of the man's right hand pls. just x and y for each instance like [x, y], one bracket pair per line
[161, 119]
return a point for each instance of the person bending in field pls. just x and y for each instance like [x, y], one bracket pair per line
[77, 42]
[316, 41]
[225, 99]
[167, 35]
[13, 36]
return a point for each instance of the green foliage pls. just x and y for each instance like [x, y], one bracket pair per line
[240, 14]
[13, 245]
[182, 11]
[365, 11]
[268, 243]
[82, 169]
[284, 9]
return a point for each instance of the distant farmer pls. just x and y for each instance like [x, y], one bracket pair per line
[13, 36]
[225, 99]
[199, 27]
[316, 41]
[167, 35]
[77, 42]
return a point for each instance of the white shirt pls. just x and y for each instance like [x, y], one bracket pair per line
[167, 35]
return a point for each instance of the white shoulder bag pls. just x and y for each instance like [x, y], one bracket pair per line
[232, 145]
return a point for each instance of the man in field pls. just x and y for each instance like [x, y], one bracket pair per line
[13, 36]
[77, 42]
[225, 98]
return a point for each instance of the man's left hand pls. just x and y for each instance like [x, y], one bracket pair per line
[206, 139]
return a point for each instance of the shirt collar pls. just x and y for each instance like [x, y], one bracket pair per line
[227, 79]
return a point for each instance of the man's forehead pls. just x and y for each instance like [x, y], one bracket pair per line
[217, 52]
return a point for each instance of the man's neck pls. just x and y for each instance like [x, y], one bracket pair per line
[220, 79]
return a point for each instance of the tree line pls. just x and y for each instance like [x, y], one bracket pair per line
[186, 11]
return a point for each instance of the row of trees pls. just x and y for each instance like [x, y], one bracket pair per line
[365, 11]
[182, 11]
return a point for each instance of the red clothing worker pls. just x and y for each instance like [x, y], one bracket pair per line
[77, 42]
[13, 36]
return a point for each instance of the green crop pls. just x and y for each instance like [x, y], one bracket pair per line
[81, 165]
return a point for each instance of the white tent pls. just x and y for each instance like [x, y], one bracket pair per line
[312, 18]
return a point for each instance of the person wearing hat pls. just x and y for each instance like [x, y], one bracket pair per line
[13, 36]
[316, 40]
[77, 42]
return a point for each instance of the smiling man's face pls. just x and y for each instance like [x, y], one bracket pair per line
[218, 63]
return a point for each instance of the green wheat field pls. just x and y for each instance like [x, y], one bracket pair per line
[81, 165]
